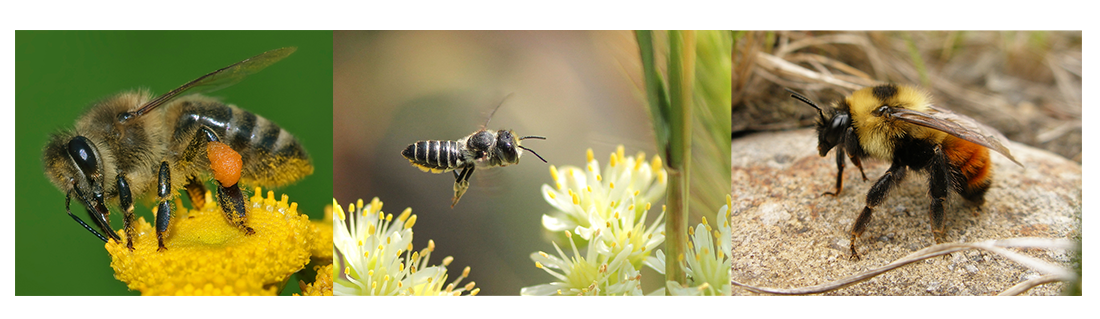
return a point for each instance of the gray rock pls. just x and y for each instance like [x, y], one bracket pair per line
[788, 235]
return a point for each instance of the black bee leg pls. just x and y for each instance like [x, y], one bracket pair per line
[196, 149]
[164, 210]
[839, 172]
[196, 191]
[81, 221]
[875, 197]
[462, 183]
[126, 202]
[937, 184]
[854, 150]
[231, 199]
[859, 164]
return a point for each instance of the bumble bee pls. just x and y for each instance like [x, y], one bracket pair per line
[482, 149]
[899, 124]
[137, 144]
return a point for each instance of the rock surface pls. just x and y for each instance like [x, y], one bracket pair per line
[788, 235]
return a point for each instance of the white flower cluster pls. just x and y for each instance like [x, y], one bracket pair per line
[379, 259]
[607, 208]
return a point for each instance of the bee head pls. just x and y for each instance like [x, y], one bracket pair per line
[74, 162]
[831, 124]
[508, 148]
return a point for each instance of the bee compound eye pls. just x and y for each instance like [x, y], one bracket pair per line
[837, 123]
[82, 151]
[881, 110]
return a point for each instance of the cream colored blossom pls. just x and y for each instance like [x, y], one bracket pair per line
[379, 259]
[608, 209]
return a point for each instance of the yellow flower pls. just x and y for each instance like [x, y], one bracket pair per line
[379, 259]
[322, 286]
[207, 256]
[321, 248]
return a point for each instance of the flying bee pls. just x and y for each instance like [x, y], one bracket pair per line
[137, 144]
[899, 124]
[481, 150]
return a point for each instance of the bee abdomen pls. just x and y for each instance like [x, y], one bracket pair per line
[434, 156]
[973, 165]
[271, 155]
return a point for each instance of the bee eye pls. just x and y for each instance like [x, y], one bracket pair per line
[839, 123]
[881, 110]
[80, 150]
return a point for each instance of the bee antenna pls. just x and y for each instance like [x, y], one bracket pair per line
[495, 109]
[533, 152]
[534, 137]
[807, 101]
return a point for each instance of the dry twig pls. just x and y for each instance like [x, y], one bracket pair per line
[1051, 273]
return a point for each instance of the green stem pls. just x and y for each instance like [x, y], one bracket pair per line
[681, 79]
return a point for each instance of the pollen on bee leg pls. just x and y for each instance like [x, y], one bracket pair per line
[225, 162]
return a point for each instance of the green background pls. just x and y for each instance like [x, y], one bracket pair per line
[59, 74]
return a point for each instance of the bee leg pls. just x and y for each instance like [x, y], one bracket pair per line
[231, 199]
[859, 164]
[839, 172]
[462, 183]
[81, 221]
[875, 197]
[854, 150]
[126, 202]
[164, 210]
[196, 191]
[937, 188]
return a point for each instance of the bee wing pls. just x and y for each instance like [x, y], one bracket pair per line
[220, 78]
[957, 125]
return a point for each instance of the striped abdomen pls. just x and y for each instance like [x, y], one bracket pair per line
[435, 156]
[271, 155]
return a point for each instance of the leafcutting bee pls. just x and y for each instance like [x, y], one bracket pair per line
[483, 149]
[154, 146]
[899, 124]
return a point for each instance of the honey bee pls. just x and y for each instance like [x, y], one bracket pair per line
[480, 150]
[899, 124]
[153, 146]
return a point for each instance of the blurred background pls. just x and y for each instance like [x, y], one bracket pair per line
[60, 73]
[579, 89]
[1026, 84]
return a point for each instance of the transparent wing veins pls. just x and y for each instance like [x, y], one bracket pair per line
[956, 125]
